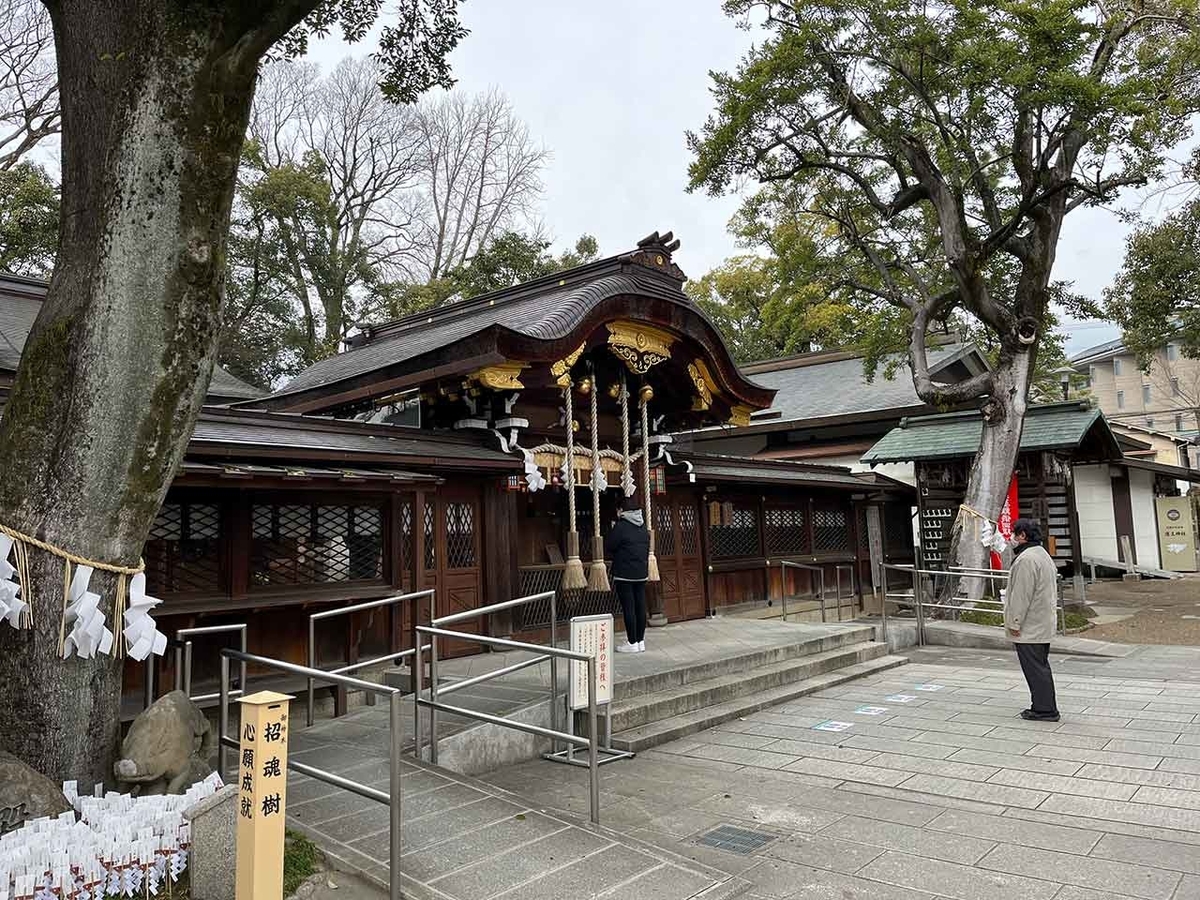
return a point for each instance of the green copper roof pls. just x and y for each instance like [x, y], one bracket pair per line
[1052, 426]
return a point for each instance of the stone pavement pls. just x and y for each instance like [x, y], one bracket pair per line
[936, 789]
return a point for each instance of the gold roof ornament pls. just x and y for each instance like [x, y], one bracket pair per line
[640, 347]
[702, 380]
[739, 415]
[502, 377]
[561, 370]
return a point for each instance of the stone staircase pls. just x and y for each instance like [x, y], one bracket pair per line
[663, 707]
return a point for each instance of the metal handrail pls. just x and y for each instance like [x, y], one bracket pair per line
[313, 618]
[790, 564]
[544, 653]
[394, 695]
[183, 661]
[418, 668]
[962, 572]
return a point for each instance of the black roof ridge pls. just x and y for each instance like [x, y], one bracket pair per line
[778, 463]
[463, 308]
[1030, 409]
[297, 421]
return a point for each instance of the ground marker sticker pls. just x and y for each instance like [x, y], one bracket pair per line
[833, 726]
[900, 698]
[871, 710]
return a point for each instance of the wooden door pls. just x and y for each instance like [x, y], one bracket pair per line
[677, 537]
[453, 559]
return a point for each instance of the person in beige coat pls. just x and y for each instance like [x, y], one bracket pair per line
[1029, 615]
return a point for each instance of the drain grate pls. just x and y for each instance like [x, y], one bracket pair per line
[735, 840]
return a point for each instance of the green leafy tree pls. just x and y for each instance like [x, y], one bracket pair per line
[28, 220]
[943, 146]
[155, 99]
[1155, 298]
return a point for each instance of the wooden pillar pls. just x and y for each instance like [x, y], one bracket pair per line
[501, 577]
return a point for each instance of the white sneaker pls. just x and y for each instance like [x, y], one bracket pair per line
[627, 648]
[641, 646]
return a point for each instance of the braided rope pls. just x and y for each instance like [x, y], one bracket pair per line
[598, 576]
[626, 469]
[652, 562]
[21, 544]
[570, 455]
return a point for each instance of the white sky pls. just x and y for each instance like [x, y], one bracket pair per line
[610, 88]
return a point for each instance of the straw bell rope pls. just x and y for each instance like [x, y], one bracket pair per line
[652, 563]
[598, 575]
[627, 485]
[573, 577]
[21, 544]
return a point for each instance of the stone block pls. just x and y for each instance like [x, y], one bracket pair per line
[211, 864]
[26, 794]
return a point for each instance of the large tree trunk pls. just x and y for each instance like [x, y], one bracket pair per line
[156, 96]
[992, 467]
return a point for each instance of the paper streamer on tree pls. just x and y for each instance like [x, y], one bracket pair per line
[141, 636]
[86, 633]
[12, 607]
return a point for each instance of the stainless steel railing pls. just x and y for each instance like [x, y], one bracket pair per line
[411, 598]
[395, 709]
[550, 654]
[821, 590]
[914, 596]
[183, 661]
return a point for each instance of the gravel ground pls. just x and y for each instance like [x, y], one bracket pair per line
[1165, 612]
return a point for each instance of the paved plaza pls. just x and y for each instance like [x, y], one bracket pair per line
[936, 789]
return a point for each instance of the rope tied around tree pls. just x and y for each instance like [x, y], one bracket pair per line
[21, 544]
[574, 578]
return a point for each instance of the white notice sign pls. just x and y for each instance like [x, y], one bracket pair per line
[592, 635]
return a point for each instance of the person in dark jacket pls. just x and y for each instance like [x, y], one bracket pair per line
[628, 546]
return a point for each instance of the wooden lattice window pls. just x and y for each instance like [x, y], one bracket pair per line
[786, 531]
[294, 544]
[831, 530]
[898, 530]
[183, 551]
[430, 536]
[407, 537]
[689, 535]
[664, 530]
[460, 536]
[733, 530]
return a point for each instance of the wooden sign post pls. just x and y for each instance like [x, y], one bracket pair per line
[262, 796]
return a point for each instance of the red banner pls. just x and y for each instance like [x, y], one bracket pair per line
[1008, 515]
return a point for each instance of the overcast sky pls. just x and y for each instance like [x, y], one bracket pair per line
[610, 88]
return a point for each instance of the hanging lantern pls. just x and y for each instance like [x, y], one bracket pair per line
[658, 480]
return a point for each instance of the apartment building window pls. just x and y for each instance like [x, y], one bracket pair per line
[1117, 366]
[1172, 352]
[1175, 386]
[1150, 422]
[1179, 421]
[1145, 393]
[1120, 399]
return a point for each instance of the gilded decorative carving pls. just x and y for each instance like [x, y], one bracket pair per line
[503, 377]
[704, 384]
[739, 415]
[561, 369]
[641, 347]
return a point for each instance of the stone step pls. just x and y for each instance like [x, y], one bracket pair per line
[661, 731]
[806, 644]
[633, 712]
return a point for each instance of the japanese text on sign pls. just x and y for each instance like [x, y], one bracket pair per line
[592, 635]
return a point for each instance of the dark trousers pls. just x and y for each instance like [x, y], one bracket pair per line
[1035, 663]
[632, 595]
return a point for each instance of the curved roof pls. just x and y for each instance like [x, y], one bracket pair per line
[540, 321]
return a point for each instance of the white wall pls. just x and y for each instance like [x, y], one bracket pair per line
[1145, 525]
[1093, 502]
